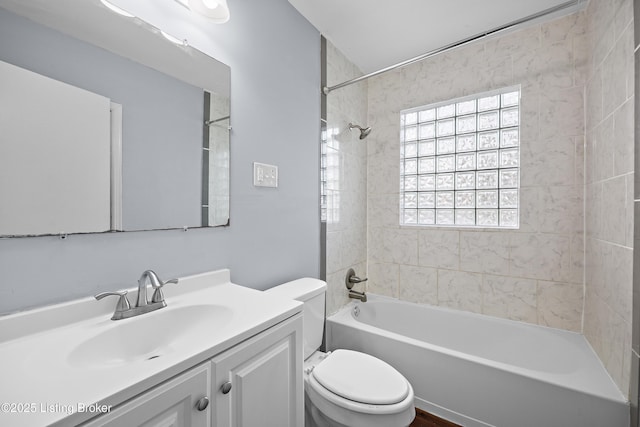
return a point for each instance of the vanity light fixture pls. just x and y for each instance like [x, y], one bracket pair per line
[216, 10]
[116, 9]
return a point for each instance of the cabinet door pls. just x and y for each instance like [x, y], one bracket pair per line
[265, 374]
[172, 404]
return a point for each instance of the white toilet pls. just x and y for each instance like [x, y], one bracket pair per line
[344, 387]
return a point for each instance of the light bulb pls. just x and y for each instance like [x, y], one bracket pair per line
[216, 10]
[210, 4]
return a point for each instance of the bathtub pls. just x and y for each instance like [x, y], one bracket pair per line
[478, 370]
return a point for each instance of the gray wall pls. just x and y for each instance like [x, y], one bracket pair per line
[274, 234]
[162, 119]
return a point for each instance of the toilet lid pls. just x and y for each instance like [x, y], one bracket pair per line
[361, 378]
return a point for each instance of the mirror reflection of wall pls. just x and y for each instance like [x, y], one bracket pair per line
[216, 160]
[163, 183]
[46, 127]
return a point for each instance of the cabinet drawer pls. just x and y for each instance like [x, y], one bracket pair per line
[172, 404]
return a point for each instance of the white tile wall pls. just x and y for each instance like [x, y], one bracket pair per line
[569, 265]
[347, 232]
[533, 274]
[609, 185]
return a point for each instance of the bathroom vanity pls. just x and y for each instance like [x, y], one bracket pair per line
[218, 355]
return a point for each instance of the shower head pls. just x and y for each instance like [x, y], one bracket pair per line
[364, 132]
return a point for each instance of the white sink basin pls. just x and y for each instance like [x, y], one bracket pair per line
[149, 336]
[72, 352]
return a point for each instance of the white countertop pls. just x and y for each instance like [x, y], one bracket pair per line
[38, 375]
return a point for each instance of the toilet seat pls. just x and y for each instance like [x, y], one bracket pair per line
[361, 378]
[321, 395]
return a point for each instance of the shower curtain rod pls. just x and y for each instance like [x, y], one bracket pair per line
[326, 90]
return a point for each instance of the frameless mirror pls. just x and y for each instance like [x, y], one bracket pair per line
[106, 124]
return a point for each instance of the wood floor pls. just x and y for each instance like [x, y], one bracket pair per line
[425, 419]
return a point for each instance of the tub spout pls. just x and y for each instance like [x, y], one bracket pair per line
[358, 295]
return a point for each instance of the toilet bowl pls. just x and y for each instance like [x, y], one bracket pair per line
[349, 388]
[344, 387]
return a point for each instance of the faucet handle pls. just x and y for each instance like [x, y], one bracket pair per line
[352, 279]
[160, 283]
[123, 302]
[158, 295]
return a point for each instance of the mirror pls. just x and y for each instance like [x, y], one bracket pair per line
[168, 126]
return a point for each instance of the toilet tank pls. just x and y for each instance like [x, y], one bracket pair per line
[311, 292]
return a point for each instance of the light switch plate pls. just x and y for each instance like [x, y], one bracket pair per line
[265, 175]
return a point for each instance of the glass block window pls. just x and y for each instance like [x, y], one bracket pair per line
[330, 176]
[460, 162]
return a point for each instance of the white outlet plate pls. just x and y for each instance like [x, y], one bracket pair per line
[265, 175]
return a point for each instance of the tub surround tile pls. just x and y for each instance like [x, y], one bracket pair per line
[560, 209]
[418, 284]
[623, 125]
[354, 245]
[546, 256]
[560, 305]
[565, 28]
[548, 163]
[623, 17]
[577, 258]
[603, 150]
[636, 20]
[334, 251]
[601, 40]
[541, 256]
[561, 111]
[594, 100]
[397, 245]
[494, 271]
[509, 298]
[484, 252]
[460, 290]
[606, 331]
[573, 251]
[439, 248]
[513, 43]
[346, 238]
[580, 59]
[579, 160]
[614, 200]
[614, 85]
[550, 67]
[530, 117]
[636, 283]
[529, 210]
[384, 172]
[626, 363]
[614, 356]
[630, 210]
[633, 389]
[383, 210]
[621, 278]
[337, 293]
[636, 134]
[383, 279]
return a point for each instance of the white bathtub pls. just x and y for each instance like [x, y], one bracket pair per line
[478, 370]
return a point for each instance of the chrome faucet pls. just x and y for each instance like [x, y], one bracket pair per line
[124, 309]
[156, 284]
[351, 280]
